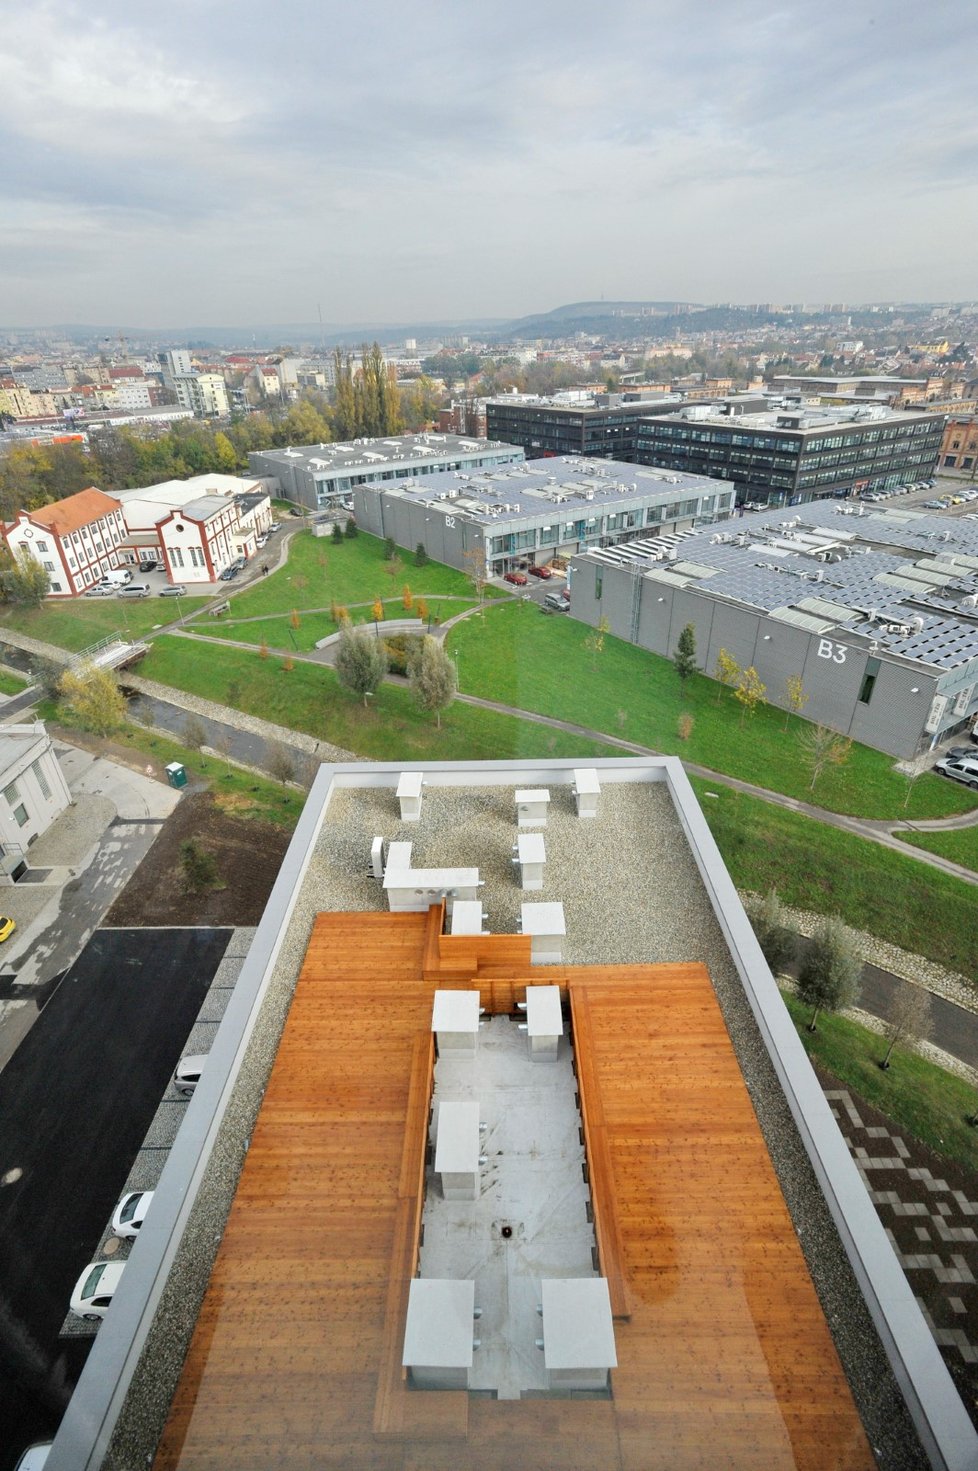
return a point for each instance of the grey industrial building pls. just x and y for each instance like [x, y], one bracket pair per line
[794, 453]
[524, 513]
[775, 448]
[321, 475]
[875, 610]
[600, 425]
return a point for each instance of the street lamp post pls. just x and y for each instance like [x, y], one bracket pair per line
[458, 674]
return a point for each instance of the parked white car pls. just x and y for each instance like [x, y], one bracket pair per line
[130, 1213]
[95, 1290]
[188, 1072]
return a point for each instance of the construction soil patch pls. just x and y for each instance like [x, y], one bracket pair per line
[248, 856]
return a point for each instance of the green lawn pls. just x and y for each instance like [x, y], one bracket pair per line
[11, 684]
[922, 1099]
[517, 656]
[959, 846]
[309, 698]
[320, 571]
[77, 623]
[832, 872]
[279, 632]
[239, 792]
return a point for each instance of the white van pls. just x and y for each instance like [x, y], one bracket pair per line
[118, 577]
[134, 590]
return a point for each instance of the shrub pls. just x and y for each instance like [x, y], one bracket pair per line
[776, 940]
[403, 652]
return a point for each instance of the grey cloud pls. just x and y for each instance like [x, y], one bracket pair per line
[443, 159]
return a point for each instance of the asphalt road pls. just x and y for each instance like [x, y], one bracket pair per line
[76, 1100]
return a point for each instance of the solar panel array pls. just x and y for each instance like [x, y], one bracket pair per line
[769, 561]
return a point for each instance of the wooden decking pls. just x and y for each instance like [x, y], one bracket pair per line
[725, 1358]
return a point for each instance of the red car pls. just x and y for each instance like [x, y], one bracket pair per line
[519, 578]
[540, 572]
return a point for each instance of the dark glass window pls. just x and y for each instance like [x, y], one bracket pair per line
[869, 680]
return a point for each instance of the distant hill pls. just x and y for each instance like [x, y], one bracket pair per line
[594, 316]
[270, 335]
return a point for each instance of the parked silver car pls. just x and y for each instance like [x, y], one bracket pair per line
[188, 1072]
[964, 768]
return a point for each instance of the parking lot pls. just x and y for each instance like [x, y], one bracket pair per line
[76, 1102]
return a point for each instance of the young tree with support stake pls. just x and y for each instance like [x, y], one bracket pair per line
[726, 672]
[910, 1020]
[831, 970]
[685, 656]
[433, 678]
[361, 662]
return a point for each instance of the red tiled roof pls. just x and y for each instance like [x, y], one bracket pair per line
[75, 511]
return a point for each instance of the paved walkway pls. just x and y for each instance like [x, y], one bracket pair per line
[931, 1223]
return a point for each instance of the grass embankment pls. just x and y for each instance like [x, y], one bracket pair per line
[302, 632]
[309, 698]
[320, 571]
[543, 664]
[80, 622]
[237, 792]
[11, 684]
[958, 846]
[924, 1100]
[832, 872]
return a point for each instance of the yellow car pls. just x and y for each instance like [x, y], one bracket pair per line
[7, 927]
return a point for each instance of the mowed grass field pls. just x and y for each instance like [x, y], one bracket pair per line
[517, 656]
[925, 1100]
[309, 698]
[821, 868]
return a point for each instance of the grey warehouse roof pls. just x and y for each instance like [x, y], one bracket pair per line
[364, 455]
[905, 582]
[570, 483]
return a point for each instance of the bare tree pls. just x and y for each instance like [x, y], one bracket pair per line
[911, 1020]
[822, 748]
[223, 746]
[477, 571]
[281, 762]
[194, 734]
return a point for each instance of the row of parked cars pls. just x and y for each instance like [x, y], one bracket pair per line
[958, 498]
[97, 1285]
[884, 495]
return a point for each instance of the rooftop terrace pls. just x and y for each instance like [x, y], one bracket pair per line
[752, 1267]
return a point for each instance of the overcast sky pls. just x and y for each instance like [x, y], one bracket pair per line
[224, 161]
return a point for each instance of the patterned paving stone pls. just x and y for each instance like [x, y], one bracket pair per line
[927, 1216]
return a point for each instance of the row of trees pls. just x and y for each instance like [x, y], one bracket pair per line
[821, 747]
[830, 972]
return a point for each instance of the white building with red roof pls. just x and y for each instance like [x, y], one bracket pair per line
[76, 540]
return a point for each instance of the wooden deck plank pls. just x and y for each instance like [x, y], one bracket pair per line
[725, 1357]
